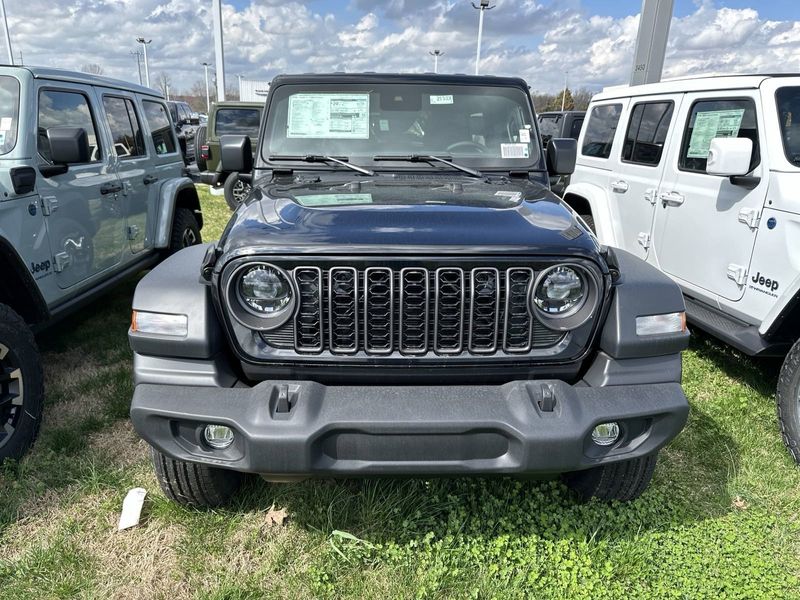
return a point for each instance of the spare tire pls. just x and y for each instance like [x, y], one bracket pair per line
[199, 142]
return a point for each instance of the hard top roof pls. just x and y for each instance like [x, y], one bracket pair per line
[87, 79]
[691, 84]
[452, 79]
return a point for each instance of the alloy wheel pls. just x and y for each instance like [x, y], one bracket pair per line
[189, 237]
[11, 394]
[240, 191]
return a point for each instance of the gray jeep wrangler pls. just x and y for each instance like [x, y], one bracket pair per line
[401, 294]
[91, 191]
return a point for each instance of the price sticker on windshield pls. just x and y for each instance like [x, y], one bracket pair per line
[445, 99]
[514, 151]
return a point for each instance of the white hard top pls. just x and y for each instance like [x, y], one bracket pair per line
[689, 84]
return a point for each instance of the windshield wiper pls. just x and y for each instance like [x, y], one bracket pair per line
[318, 158]
[429, 158]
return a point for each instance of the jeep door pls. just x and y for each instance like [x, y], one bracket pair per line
[132, 164]
[638, 166]
[84, 206]
[705, 225]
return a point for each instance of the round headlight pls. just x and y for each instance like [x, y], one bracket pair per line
[560, 292]
[265, 290]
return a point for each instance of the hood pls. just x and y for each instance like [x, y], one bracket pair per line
[404, 215]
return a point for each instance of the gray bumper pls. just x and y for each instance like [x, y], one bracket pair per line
[374, 430]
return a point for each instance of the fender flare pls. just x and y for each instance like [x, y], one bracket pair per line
[597, 199]
[171, 191]
[19, 288]
[788, 303]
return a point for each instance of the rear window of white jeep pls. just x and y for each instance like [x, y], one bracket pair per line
[600, 131]
[9, 113]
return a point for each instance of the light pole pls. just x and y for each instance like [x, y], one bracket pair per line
[436, 54]
[219, 54]
[564, 93]
[208, 96]
[482, 7]
[239, 78]
[144, 44]
[138, 56]
[8, 37]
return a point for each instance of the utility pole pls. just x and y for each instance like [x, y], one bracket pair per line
[144, 44]
[564, 93]
[219, 54]
[482, 7]
[208, 95]
[8, 36]
[436, 54]
[138, 56]
[239, 78]
[651, 41]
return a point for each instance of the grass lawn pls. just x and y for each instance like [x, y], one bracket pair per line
[721, 520]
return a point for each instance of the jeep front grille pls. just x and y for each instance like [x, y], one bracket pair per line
[413, 311]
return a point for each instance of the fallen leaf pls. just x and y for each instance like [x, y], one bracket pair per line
[277, 516]
[739, 503]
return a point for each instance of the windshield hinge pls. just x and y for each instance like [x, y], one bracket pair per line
[519, 174]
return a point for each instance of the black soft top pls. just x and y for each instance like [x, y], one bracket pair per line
[411, 78]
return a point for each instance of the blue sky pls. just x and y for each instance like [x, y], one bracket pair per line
[535, 39]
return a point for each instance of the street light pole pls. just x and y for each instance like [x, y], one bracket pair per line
[239, 78]
[219, 53]
[436, 54]
[208, 96]
[564, 93]
[138, 56]
[8, 37]
[144, 44]
[482, 7]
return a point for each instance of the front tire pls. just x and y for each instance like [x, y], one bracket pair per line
[788, 398]
[21, 386]
[195, 485]
[236, 191]
[185, 230]
[624, 481]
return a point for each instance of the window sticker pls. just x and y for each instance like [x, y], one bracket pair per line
[710, 125]
[329, 116]
[5, 123]
[514, 151]
[446, 99]
[384, 124]
[315, 200]
[525, 136]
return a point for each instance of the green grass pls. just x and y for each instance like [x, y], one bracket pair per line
[721, 519]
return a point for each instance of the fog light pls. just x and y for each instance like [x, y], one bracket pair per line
[605, 434]
[218, 436]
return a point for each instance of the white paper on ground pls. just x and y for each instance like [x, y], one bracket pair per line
[132, 508]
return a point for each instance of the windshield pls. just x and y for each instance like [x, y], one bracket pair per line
[9, 111]
[788, 99]
[483, 126]
[237, 121]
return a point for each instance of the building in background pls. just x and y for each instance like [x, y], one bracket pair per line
[253, 90]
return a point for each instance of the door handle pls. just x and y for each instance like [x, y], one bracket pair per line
[110, 188]
[671, 199]
[148, 179]
[619, 186]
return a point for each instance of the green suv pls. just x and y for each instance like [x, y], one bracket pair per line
[226, 118]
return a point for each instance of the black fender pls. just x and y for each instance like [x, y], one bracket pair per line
[18, 289]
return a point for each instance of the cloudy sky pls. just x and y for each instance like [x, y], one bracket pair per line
[539, 40]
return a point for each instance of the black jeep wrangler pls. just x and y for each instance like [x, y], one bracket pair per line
[401, 294]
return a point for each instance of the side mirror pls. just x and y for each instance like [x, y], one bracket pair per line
[235, 154]
[561, 154]
[194, 119]
[68, 145]
[729, 157]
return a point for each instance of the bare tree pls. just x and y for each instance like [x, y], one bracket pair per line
[164, 82]
[92, 68]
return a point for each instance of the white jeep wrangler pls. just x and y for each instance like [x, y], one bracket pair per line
[701, 178]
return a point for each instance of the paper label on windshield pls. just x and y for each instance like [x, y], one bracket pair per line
[445, 99]
[514, 150]
[5, 123]
[710, 125]
[315, 200]
[525, 136]
[329, 116]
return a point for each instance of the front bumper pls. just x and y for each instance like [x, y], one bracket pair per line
[305, 428]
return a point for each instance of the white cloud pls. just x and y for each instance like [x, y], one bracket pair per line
[538, 40]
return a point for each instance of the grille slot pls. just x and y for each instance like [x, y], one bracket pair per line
[448, 330]
[343, 309]
[414, 313]
[517, 326]
[378, 310]
[484, 316]
[308, 321]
